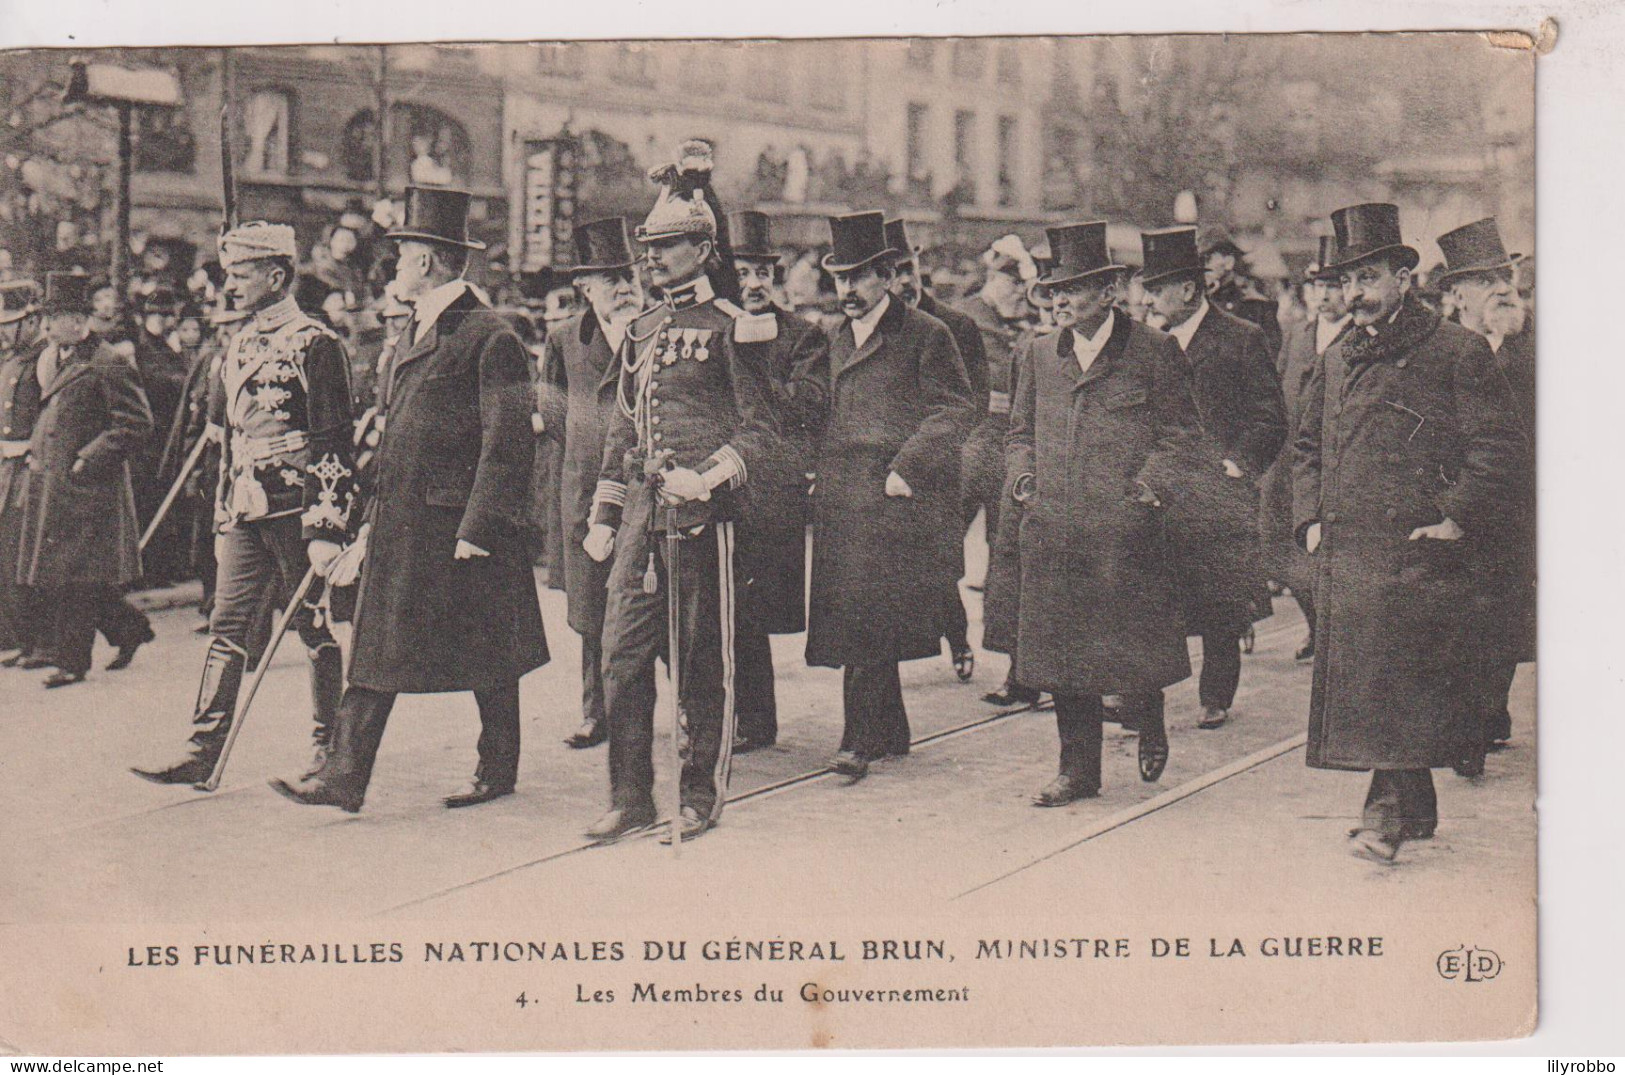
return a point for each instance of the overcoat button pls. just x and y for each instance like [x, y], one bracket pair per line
[1402, 363]
[1390, 513]
[655, 420]
[1331, 516]
[657, 436]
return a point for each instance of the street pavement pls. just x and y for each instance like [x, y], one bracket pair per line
[1237, 813]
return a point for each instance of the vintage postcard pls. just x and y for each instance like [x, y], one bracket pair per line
[921, 542]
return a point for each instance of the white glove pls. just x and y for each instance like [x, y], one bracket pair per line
[680, 484]
[346, 566]
[599, 542]
[321, 555]
[1311, 537]
[896, 486]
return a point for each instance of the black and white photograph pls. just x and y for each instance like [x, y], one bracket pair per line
[734, 543]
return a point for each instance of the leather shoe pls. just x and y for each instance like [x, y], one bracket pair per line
[193, 770]
[745, 744]
[126, 653]
[479, 791]
[60, 678]
[1011, 694]
[850, 763]
[13, 659]
[1306, 652]
[1153, 754]
[317, 792]
[621, 822]
[1065, 789]
[695, 825]
[33, 661]
[590, 734]
[1213, 717]
[964, 664]
[1372, 847]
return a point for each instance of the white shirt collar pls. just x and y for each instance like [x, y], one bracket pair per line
[614, 334]
[864, 327]
[1088, 348]
[1188, 329]
[428, 306]
[1326, 331]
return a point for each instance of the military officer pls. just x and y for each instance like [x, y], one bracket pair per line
[21, 614]
[1231, 289]
[1102, 431]
[692, 417]
[773, 533]
[79, 541]
[1478, 277]
[907, 287]
[286, 496]
[1406, 455]
[891, 405]
[447, 600]
[1214, 525]
[580, 368]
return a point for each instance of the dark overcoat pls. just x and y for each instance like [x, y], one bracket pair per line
[454, 463]
[1512, 543]
[577, 400]
[1213, 519]
[880, 565]
[773, 528]
[1001, 595]
[1401, 429]
[1284, 558]
[1099, 612]
[81, 529]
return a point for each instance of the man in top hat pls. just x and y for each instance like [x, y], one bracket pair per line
[977, 451]
[887, 396]
[1406, 455]
[190, 523]
[79, 543]
[447, 599]
[773, 533]
[1214, 524]
[162, 369]
[580, 369]
[1478, 277]
[286, 498]
[1102, 430]
[693, 420]
[22, 617]
[1301, 351]
[1224, 266]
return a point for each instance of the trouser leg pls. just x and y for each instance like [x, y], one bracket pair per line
[703, 696]
[499, 734]
[1077, 722]
[1305, 596]
[955, 623]
[1401, 804]
[592, 675]
[362, 717]
[1497, 686]
[1221, 669]
[876, 721]
[120, 622]
[753, 681]
[77, 610]
[634, 636]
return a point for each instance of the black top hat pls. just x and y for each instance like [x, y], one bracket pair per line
[1322, 268]
[1474, 247]
[67, 293]
[1169, 252]
[1077, 251]
[751, 233]
[602, 246]
[18, 299]
[1364, 231]
[897, 239]
[856, 240]
[436, 215]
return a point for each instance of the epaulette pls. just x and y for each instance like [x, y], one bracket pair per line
[749, 327]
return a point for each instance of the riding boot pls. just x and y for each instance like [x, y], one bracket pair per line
[326, 687]
[212, 715]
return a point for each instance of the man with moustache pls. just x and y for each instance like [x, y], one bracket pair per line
[79, 543]
[889, 402]
[22, 616]
[975, 456]
[1301, 351]
[773, 533]
[1102, 429]
[1478, 277]
[693, 419]
[580, 368]
[1406, 456]
[1214, 524]
[447, 599]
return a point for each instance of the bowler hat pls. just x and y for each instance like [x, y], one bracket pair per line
[1365, 231]
[856, 240]
[18, 299]
[602, 246]
[67, 293]
[897, 239]
[1078, 251]
[1474, 247]
[436, 215]
[751, 232]
[1169, 252]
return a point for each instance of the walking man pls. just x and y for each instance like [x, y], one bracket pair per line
[22, 615]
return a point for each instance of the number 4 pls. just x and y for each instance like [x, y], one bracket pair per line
[520, 1000]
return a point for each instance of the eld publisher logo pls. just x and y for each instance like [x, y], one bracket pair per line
[1469, 964]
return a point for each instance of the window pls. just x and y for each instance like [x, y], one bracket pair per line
[434, 146]
[965, 139]
[970, 58]
[163, 141]
[267, 117]
[1009, 63]
[918, 118]
[560, 59]
[922, 54]
[1007, 160]
[357, 145]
